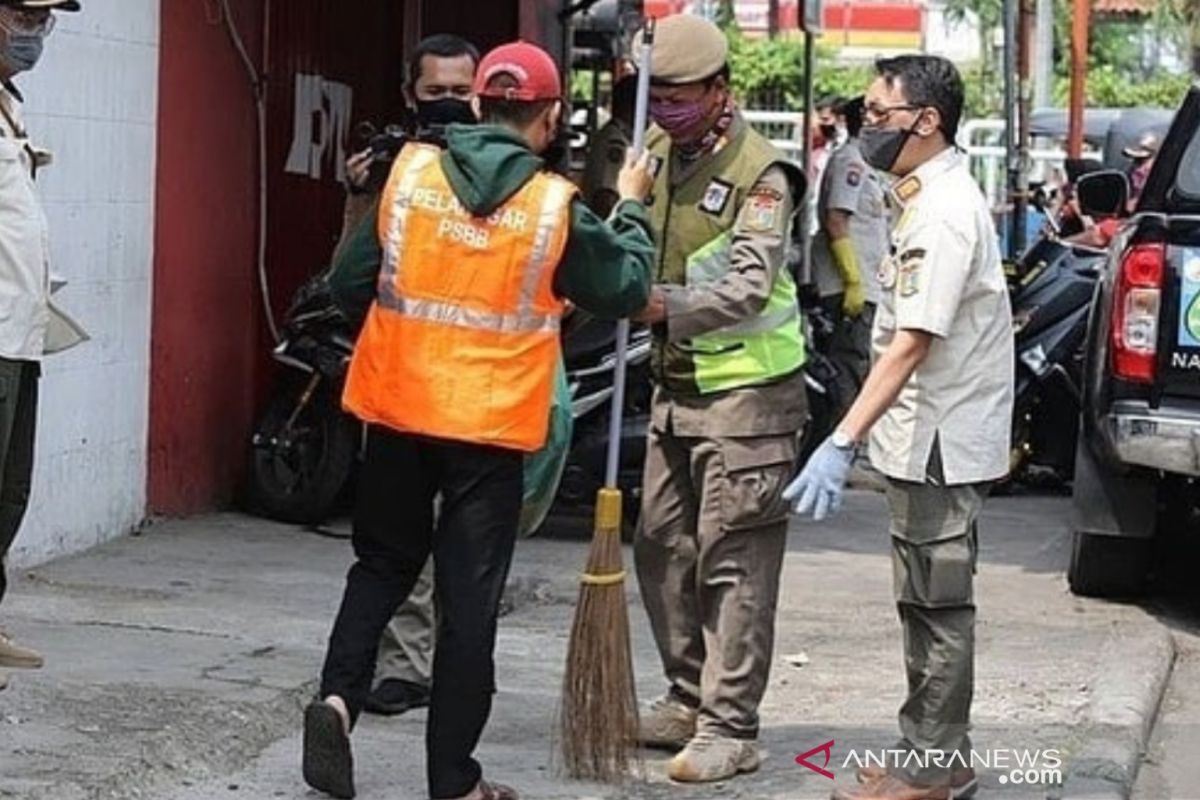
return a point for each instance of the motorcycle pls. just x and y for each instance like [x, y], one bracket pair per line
[588, 349]
[1050, 290]
[820, 372]
[590, 357]
[304, 447]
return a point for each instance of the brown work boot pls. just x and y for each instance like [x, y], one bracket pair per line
[963, 781]
[668, 724]
[17, 657]
[891, 787]
[711, 757]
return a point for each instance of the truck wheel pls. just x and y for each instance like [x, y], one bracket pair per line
[1108, 566]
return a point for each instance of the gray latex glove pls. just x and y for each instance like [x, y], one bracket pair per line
[820, 484]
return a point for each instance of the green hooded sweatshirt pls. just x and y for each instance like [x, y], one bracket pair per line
[606, 266]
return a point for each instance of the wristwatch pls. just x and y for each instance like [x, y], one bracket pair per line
[841, 440]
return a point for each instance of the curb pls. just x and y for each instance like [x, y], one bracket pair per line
[1116, 725]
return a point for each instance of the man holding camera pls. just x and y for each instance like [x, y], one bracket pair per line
[438, 92]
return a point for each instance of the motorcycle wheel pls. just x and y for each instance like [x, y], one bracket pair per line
[298, 477]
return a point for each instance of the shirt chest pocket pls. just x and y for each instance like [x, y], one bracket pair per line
[23, 231]
[17, 196]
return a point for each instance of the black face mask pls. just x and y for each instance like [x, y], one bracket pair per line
[881, 146]
[829, 132]
[434, 115]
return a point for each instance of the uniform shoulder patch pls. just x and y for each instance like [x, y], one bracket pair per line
[716, 197]
[911, 261]
[854, 175]
[910, 278]
[762, 210]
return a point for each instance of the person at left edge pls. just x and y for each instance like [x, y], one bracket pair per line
[31, 326]
[453, 375]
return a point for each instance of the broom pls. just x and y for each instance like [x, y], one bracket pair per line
[599, 716]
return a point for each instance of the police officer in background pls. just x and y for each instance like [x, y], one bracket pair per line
[847, 253]
[438, 92]
[937, 406]
[453, 374]
[31, 327]
[728, 402]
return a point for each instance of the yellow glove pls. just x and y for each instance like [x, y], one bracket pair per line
[855, 296]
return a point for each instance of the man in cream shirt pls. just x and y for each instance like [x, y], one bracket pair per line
[30, 325]
[937, 405]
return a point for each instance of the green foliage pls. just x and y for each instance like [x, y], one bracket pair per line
[769, 73]
[1109, 87]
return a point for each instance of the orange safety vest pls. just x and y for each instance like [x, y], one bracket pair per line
[462, 340]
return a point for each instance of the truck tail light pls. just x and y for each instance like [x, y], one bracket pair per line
[1137, 299]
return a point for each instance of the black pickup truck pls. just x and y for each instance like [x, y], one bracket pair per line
[1137, 466]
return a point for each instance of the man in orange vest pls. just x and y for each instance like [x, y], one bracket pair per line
[453, 374]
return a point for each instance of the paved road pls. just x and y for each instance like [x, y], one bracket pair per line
[178, 662]
[1171, 768]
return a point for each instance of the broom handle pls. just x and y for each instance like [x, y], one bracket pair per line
[640, 114]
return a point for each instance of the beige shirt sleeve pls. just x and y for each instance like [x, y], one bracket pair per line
[759, 250]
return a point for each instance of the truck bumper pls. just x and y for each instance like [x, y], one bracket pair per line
[1165, 438]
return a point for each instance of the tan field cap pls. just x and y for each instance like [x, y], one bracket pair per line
[687, 49]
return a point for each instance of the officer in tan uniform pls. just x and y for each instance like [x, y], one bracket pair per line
[728, 403]
[847, 253]
[937, 406]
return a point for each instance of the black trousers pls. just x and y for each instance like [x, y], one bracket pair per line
[18, 420]
[472, 546]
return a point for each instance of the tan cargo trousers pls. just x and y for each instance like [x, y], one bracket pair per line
[934, 552]
[406, 646]
[708, 559]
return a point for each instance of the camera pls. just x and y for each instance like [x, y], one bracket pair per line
[383, 146]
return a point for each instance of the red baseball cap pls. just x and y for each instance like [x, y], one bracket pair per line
[532, 68]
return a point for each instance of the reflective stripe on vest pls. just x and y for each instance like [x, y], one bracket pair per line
[462, 341]
[695, 240]
[525, 320]
[765, 347]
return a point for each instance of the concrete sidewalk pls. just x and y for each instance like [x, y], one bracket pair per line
[178, 662]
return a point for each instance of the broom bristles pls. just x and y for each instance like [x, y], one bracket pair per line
[599, 716]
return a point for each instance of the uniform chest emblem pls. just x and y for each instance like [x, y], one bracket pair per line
[716, 197]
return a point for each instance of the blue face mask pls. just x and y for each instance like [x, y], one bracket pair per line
[22, 50]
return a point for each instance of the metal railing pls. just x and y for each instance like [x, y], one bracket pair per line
[982, 139]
